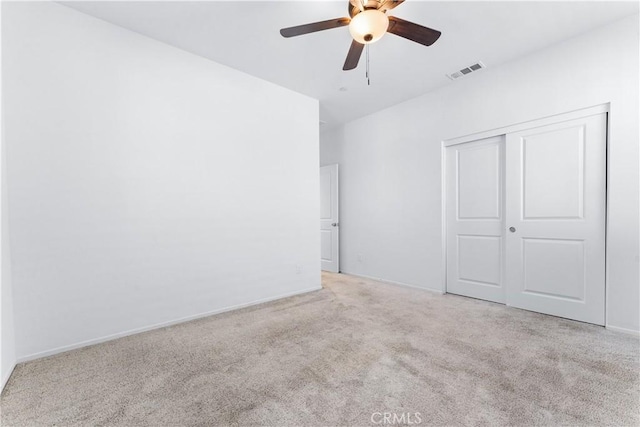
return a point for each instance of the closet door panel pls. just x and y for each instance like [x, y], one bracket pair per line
[555, 219]
[475, 195]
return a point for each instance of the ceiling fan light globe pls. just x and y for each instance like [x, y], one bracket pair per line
[368, 26]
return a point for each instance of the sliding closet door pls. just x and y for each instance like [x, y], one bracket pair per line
[555, 219]
[474, 214]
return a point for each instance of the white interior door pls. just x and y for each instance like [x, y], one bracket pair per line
[555, 211]
[329, 226]
[474, 215]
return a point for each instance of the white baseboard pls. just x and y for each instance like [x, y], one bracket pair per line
[391, 282]
[6, 377]
[111, 337]
[623, 330]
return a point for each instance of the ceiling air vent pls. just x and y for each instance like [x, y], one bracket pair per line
[468, 70]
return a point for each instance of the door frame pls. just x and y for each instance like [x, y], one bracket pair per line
[522, 126]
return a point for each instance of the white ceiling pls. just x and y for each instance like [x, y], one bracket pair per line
[244, 35]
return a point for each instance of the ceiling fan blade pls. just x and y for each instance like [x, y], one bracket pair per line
[389, 4]
[414, 32]
[353, 56]
[316, 26]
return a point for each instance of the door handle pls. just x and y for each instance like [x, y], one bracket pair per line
[334, 224]
[512, 229]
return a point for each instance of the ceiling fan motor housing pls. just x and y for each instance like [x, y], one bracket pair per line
[357, 6]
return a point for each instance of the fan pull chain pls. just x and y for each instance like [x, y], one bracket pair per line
[367, 74]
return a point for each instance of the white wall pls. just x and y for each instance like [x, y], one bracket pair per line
[146, 184]
[390, 170]
[7, 331]
[7, 341]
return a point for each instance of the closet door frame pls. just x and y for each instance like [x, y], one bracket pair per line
[523, 126]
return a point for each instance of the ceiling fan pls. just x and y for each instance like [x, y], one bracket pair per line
[368, 22]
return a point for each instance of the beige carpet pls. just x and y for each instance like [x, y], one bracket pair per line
[337, 356]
